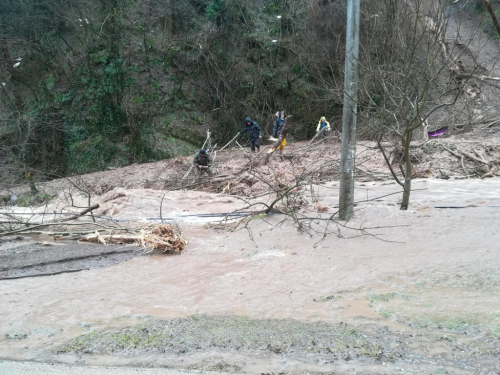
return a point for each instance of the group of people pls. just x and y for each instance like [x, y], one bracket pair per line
[202, 161]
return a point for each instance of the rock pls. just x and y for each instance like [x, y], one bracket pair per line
[321, 208]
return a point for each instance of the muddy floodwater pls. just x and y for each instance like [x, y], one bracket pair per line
[417, 292]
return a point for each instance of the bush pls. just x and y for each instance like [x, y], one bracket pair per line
[29, 200]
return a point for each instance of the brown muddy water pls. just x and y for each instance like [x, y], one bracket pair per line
[423, 297]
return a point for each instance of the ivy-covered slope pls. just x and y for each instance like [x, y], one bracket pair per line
[96, 83]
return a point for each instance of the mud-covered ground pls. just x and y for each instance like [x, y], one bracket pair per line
[25, 257]
[240, 342]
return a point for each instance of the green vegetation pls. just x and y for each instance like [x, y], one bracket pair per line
[29, 199]
[102, 83]
[97, 83]
[285, 337]
[384, 297]
[445, 323]
[478, 8]
[495, 332]
[385, 313]
[16, 336]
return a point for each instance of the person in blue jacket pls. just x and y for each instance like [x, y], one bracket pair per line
[278, 124]
[323, 128]
[254, 133]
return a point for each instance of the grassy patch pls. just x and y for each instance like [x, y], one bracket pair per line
[446, 323]
[259, 216]
[16, 336]
[384, 297]
[285, 337]
[385, 313]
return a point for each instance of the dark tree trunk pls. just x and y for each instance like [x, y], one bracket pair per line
[493, 15]
[406, 194]
[407, 172]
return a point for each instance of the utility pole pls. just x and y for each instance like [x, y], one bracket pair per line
[349, 116]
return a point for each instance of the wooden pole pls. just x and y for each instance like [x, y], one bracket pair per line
[231, 141]
[349, 117]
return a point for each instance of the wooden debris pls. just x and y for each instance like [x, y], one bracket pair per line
[87, 210]
[472, 157]
[156, 238]
[479, 159]
[107, 239]
[162, 238]
[490, 173]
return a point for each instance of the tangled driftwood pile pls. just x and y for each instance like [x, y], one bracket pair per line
[162, 238]
[156, 238]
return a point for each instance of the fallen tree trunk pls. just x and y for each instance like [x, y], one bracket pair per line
[32, 229]
[110, 238]
[472, 157]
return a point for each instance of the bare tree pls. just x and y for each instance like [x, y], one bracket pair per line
[412, 81]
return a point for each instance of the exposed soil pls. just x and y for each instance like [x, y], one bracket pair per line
[431, 159]
[23, 258]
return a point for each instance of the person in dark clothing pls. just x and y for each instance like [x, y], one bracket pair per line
[278, 124]
[254, 133]
[202, 163]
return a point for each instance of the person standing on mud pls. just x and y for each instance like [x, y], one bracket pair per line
[202, 163]
[278, 124]
[254, 133]
[323, 127]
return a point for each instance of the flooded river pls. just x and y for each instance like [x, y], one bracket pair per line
[435, 270]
